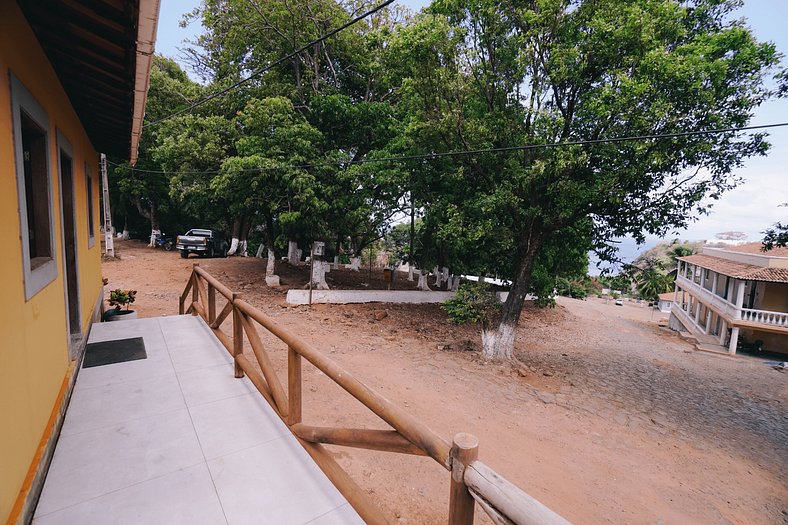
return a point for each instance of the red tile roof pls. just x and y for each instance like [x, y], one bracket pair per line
[738, 270]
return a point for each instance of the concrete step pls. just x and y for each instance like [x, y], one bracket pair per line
[721, 351]
[688, 337]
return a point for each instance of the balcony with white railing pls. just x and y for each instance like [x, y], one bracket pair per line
[751, 316]
[778, 319]
[706, 297]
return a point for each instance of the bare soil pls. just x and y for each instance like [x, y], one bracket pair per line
[606, 418]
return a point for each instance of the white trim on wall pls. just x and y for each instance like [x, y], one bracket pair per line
[40, 272]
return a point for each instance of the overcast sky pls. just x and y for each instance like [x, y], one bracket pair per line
[750, 208]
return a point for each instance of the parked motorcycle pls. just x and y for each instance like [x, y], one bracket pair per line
[164, 242]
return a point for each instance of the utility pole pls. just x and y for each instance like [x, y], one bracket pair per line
[109, 246]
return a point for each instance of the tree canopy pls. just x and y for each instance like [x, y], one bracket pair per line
[349, 137]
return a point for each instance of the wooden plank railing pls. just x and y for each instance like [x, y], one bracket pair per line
[471, 480]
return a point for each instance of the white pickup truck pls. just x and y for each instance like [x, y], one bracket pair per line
[205, 243]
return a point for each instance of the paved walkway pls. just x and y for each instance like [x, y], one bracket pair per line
[175, 439]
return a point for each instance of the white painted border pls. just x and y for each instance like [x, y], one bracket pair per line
[90, 209]
[64, 145]
[22, 100]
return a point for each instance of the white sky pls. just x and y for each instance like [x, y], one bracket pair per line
[750, 208]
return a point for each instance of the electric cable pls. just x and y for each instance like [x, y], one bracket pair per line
[436, 155]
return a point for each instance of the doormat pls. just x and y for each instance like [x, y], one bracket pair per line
[111, 352]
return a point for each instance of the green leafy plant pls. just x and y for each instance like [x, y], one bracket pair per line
[474, 303]
[120, 298]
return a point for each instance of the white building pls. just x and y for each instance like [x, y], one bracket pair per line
[725, 295]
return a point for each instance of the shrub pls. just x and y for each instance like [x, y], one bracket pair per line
[474, 303]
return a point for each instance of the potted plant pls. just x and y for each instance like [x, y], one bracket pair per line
[120, 299]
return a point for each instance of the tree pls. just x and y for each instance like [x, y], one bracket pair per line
[477, 76]
[265, 179]
[775, 237]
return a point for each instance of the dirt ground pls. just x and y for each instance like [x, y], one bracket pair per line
[607, 418]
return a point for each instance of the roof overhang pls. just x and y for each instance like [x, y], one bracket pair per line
[146, 41]
[101, 50]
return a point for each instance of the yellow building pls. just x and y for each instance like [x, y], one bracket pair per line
[74, 79]
[734, 296]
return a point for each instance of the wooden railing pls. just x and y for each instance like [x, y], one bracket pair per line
[471, 480]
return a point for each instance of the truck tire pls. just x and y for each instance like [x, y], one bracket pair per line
[184, 254]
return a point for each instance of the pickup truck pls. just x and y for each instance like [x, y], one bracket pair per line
[205, 243]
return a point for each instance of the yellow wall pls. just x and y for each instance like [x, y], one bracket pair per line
[33, 334]
[773, 297]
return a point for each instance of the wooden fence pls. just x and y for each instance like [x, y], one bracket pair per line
[471, 480]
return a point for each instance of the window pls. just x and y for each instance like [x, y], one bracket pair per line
[89, 191]
[34, 189]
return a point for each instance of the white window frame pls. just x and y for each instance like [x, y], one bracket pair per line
[90, 215]
[35, 279]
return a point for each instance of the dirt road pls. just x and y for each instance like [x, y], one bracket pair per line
[608, 418]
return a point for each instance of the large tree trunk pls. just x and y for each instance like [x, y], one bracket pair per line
[270, 268]
[234, 234]
[152, 214]
[498, 343]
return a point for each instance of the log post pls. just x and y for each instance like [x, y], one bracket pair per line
[211, 304]
[238, 337]
[195, 293]
[293, 386]
[464, 451]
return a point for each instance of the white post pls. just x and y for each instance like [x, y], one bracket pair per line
[703, 278]
[739, 300]
[676, 294]
[734, 341]
[707, 328]
[714, 283]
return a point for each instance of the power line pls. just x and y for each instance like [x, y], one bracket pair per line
[270, 66]
[486, 150]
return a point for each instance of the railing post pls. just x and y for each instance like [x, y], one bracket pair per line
[238, 337]
[293, 386]
[464, 451]
[211, 304]
[195, 294]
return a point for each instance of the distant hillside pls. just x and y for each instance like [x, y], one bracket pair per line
[665, 251]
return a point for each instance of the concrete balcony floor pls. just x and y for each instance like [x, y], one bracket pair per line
[175, 439]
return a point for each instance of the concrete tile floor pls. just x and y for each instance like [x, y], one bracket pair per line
[175, 439]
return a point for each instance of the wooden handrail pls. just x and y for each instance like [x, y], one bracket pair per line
[472, 481]
[415, 431]
[506, 498]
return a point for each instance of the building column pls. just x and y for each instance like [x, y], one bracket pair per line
[703, 278]
[714, 283]
[739, 299]
[723, 332]
[676, 293]
[734, 340]
[707, 328]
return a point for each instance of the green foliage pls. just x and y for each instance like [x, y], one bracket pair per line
[120, 298]
[775, 237]
[474, 303]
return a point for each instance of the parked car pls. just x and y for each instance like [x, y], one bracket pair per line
[205, 243]
[619, 302]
